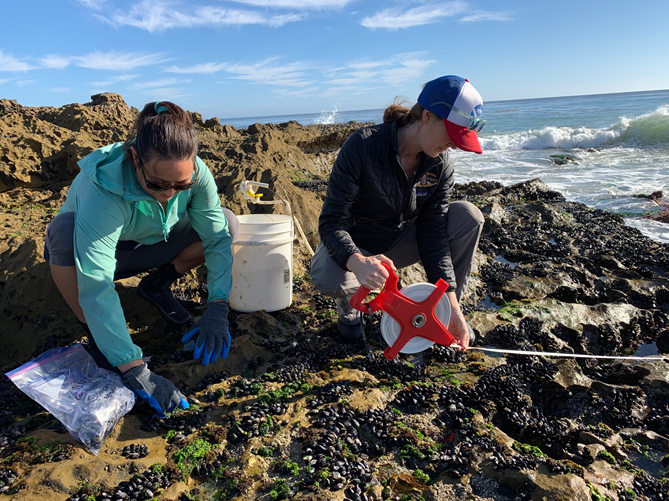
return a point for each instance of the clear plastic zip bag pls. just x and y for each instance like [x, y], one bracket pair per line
[87, 400]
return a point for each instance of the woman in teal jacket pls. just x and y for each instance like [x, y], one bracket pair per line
[147, 203]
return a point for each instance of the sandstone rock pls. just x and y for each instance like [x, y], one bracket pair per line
[592, 451]
[569, 374]
[588, 437]
[560, 488]
[663, 341]
[229, 131]
[411, 275]
[9, 106]
[261, 323]
[106, 98]
[211, 122]
[601, 473]
[534, 189]
[497, 214]
[648, 437]
[196, 118]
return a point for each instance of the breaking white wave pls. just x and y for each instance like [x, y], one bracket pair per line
[328, 117]
[651, 129]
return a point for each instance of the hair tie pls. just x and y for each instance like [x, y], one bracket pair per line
[160, 109]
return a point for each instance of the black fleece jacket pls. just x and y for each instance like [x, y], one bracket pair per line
[369, 200]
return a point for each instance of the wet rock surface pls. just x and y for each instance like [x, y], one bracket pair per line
[294, 412]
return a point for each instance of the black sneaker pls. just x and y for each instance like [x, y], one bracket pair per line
[156, 288]
[350, 331]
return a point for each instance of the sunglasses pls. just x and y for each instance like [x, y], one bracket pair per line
[475, 123]
[162, 186]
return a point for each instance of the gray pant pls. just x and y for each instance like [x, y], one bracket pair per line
[131, 258]
[464, 222]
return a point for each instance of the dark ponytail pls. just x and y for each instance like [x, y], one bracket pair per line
[406, 116]
[164, 131]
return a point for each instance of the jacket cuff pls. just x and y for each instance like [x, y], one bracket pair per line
[135, 353]
[343, 258]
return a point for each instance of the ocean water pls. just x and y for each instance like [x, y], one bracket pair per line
[619, 144]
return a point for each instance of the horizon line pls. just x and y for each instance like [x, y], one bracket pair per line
[492, 101]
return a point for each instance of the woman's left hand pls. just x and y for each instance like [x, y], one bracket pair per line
[213, 338]
[457, 325]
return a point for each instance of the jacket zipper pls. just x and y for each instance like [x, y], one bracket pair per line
[407, 194]
[400, 226]
[163, 219]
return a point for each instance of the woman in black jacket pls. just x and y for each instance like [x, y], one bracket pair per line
[388, 202]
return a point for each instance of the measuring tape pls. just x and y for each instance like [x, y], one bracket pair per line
[390, 330]
[564, 355]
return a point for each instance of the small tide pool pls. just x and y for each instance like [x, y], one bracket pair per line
[502, 259]
[647, 350]
[487, 304]
[649, 460]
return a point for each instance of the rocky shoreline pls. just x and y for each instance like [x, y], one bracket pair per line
[295, 413]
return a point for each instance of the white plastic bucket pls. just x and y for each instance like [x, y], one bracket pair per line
[262, 268]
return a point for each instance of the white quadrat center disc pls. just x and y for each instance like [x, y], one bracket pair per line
[390, 329]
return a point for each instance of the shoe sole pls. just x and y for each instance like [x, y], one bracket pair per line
[164, 313]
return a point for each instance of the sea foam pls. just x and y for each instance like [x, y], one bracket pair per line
[328, 117]
[651, 129]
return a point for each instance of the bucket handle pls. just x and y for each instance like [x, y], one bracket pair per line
[249, 188]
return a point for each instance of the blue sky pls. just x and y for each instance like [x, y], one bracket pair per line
[239, 58]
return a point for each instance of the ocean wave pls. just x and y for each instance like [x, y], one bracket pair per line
[647, 130]
[651, 129]
[328, 117]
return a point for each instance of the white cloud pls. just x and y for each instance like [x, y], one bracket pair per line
[288, 75]
[353, 77]
[396, 18]
[396, 69]
[24, 83]
[407, 70]
[158, 15]
[5, 80]
[112, 60]
[304, 78]
[297, 4]
[278, 21]
[295, 93]
[114, 80]
[339, 90]
[165, 82]
[368, 65]
[481, 15]
[205, 69]
[118, 61]
[60, 89]
[92, 4]
[10, 63]
[363, 76]
[56, 62]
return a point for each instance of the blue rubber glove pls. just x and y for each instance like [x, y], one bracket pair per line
[158, 392]
[214, 337]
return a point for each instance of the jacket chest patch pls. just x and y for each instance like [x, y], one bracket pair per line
[424, 184]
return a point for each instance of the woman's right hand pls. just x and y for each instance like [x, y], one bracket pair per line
[155, 390]
[369, 271]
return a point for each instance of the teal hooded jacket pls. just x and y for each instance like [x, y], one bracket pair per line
[110, 205]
